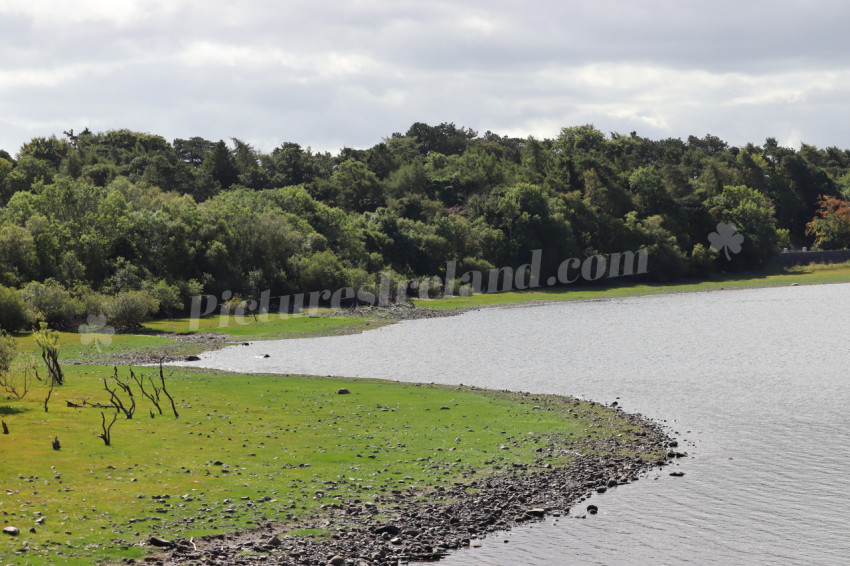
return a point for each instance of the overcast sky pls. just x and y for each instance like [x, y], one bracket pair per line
[349, 73]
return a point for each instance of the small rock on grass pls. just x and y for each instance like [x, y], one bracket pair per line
[274, 541]
[161, 542]
[343, 391]
[10, 530]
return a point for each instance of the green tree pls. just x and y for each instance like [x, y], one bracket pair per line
[18, 258]
[358, 188]
[752, 214]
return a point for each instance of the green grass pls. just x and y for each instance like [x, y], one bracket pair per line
[274, 325]
[108, 348]
[149, 341]
[808, 275]
[291, 439]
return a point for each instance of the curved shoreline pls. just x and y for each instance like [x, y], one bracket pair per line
[207, 341]
[415, 525]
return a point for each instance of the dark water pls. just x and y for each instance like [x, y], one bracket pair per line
[755, 383]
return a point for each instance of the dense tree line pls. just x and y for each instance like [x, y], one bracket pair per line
[129, 225]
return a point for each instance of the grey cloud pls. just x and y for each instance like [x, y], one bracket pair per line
[350, 73]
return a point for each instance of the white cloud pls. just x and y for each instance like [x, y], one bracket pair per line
[350, 73]
[45, 13]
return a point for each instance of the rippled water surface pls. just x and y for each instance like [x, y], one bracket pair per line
[755, 383]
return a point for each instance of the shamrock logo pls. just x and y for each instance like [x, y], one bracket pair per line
[95, 331]
[726, 239]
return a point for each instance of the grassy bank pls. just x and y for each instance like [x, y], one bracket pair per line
[270, 326]
[174, 338]
[247, 450]
[804, 275]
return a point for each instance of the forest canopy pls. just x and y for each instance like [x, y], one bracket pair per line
[130, 225]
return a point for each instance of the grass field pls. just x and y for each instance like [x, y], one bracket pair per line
[246, 450]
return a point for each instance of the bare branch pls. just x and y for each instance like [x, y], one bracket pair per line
[154, 397]
[49, 393]
[162, 379]
[116, 400]
[106, 435]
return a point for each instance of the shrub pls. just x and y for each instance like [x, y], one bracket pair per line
[52, 303]
[129, 309]
[189, 289]
[93, 302]
[702, 261]
[168, 296]
[13, 310]
[319, 271]
[8, 346]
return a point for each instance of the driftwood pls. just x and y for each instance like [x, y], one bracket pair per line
[85, 403]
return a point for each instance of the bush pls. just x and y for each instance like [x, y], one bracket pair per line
[319, 271]
[702, 261]
[52, 303]
[13, 310]
[168, 297]
[129, 309]
[189, 289]
[8, 347]
[93, 302]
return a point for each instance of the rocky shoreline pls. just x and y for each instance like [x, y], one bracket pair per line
[412, 526]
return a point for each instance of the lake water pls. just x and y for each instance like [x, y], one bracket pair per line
[754, 383]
